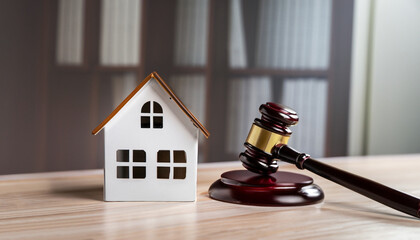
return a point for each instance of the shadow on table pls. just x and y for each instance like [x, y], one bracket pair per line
[370, 212]
[91, 193]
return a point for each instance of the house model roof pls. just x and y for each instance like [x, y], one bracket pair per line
[156, 76]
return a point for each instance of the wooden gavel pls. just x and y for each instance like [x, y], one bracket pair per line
[267, 143]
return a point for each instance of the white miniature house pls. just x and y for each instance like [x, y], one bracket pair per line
[151, 146]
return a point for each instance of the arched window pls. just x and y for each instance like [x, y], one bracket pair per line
[151, 114]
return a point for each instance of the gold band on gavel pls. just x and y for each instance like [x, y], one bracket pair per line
[263, 139]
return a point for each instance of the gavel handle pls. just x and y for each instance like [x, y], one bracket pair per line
[371, 189]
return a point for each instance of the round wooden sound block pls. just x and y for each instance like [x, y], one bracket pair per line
[277, 189]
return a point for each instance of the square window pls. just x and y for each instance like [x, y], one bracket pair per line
[139, 156]
[163, 172]
[180, 157]
[139, 172]
[122, 156]
[180, 172]
[145, 122]
[163, 156]
[157, 122]
[122, 172]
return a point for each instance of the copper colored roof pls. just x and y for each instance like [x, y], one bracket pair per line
[167, 90]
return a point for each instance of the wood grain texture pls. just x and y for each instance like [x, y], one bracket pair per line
[68, 205]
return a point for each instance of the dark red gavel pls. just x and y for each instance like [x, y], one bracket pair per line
[267, 142]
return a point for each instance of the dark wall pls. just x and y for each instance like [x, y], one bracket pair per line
[48, 110]
[19, 95]
[46, 116]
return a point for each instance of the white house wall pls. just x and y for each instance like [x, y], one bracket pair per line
[124, 132]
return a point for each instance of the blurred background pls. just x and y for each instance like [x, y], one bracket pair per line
[349, 68]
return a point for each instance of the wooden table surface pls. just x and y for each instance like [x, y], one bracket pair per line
[68, 205]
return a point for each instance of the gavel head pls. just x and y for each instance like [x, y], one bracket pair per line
[268, 131]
